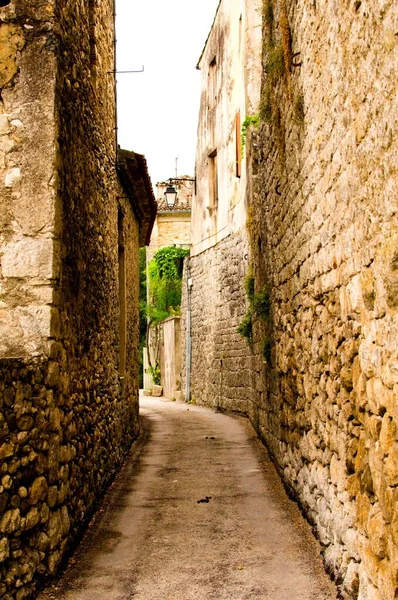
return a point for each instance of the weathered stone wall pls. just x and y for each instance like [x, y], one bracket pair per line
[222, 364]
[324, 239]
[67, 416]
[27, 193]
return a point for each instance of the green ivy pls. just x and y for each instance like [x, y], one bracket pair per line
[165, 282]
[262, 304]
[250, 121]
[245, 329]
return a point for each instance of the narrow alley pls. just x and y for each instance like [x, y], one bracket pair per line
[197, 512]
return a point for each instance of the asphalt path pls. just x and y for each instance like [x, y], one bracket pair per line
[197, 512]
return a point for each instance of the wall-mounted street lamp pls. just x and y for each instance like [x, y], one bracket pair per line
[170, 196]
[171, 192]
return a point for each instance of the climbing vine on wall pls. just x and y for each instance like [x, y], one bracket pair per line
[165, 287]
[165, 281]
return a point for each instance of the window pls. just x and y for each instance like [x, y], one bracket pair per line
[238, 138]
[213, 180]
[212, 87]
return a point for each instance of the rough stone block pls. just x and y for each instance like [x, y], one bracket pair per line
[27, 258]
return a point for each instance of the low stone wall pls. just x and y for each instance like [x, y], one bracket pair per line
[61, 443]
[222, 367]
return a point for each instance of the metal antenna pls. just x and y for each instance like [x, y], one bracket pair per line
[176, 165]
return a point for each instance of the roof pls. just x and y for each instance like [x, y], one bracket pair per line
[207, 39]
[134, 177]
[185, 187]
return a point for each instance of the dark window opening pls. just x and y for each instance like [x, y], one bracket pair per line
[238, 139]
[212, 82]
[213, 180]
[5, 2]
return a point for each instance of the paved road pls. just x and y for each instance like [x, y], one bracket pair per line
[156, 539]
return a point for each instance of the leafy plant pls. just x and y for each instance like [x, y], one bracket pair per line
[249, 287]
[165, 286]
[245, 329]
[251, 120]
[165, 282]
[262, 304]
[154, 371]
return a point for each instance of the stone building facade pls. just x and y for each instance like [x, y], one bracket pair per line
[324, 219]
[231, 73]
[320, 382]
[69, 236]
[172, 225]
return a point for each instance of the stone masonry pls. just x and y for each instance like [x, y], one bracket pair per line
[69, 237]
[323, 237]
[222, 363]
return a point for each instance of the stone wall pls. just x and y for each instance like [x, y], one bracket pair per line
[27, 192]
[324, 239]
[67, 412]
[170, 356]
[222, 369]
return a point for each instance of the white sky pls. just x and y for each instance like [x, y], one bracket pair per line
[158, 109]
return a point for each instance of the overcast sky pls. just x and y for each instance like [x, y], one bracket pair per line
[158, 109]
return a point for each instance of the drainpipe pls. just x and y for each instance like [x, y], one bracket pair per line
[188, 335]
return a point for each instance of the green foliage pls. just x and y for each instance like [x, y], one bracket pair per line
[155, 373]
[249, 287]
[251, 120]
[245, 329]
[165, 282]
[262, 304]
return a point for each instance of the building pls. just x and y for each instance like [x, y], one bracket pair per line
[230, 67]
[73, 211]
[172, 225]
[172, 228]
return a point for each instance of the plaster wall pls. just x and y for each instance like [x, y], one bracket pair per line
[170, 356]
[231, 73]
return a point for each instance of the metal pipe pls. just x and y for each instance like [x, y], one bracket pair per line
[188, 335]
